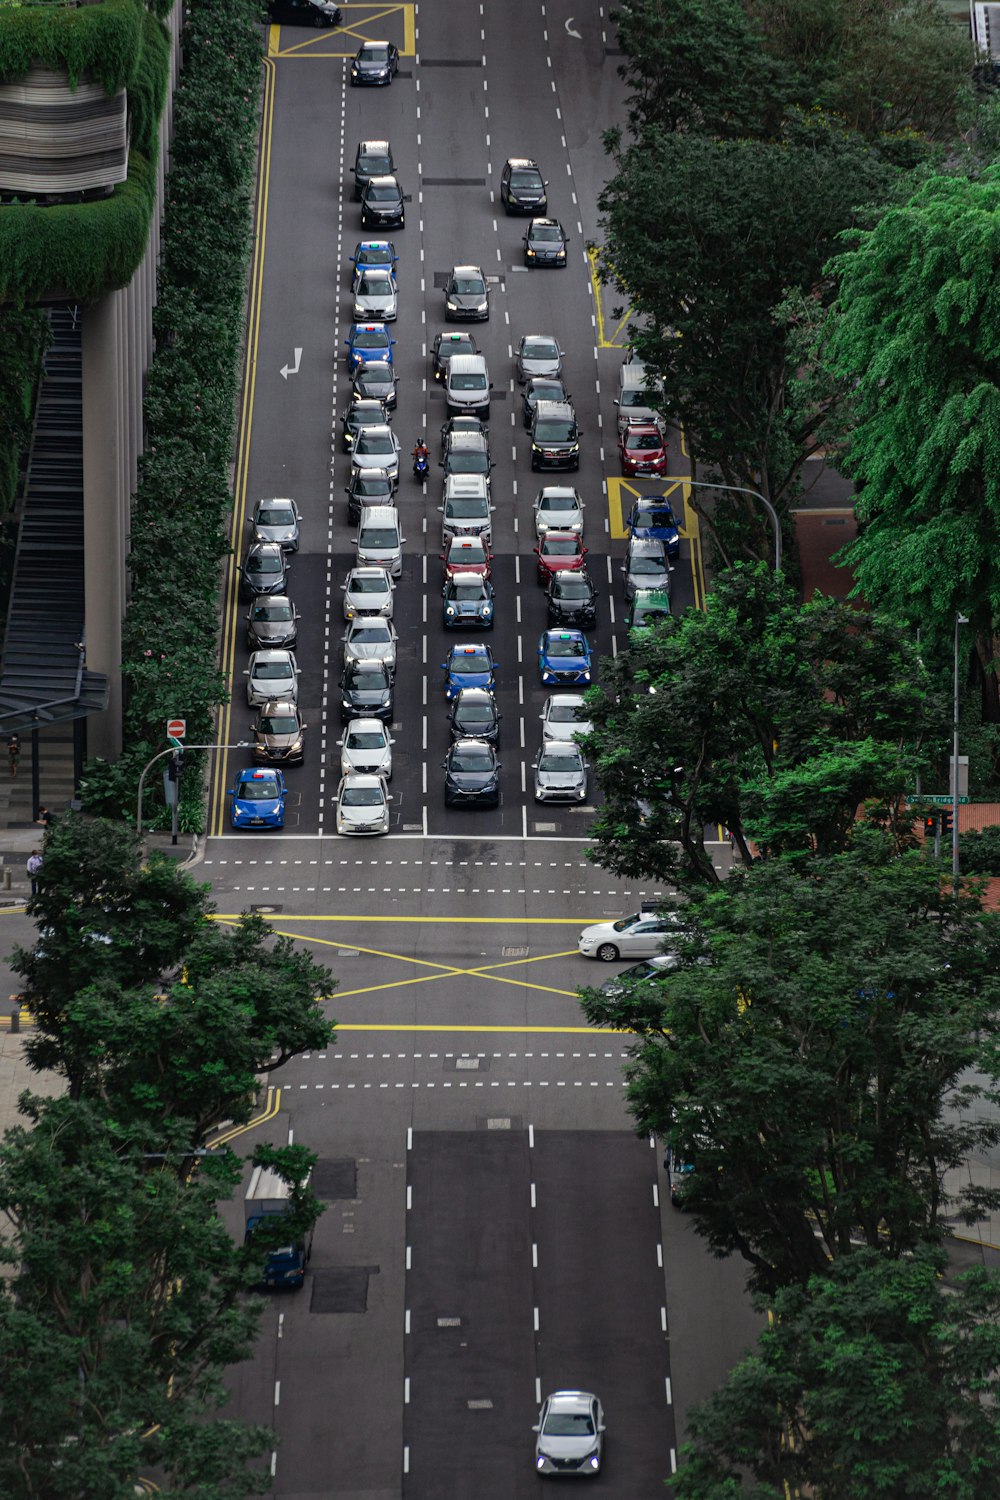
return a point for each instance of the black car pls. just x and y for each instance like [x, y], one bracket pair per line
[541, 388]
[475, 716]
[522, 187]
[471, 775]
[382, 204]
[467, 453]
[372, 159]
[304, 12]
[375, 380]
[375, 63]
[366, 691]
[364, 411]
[545, 243]
[466, 296]
[264, 570]
[572, 599]
[447, 344]
[368, 487]
[555, 437]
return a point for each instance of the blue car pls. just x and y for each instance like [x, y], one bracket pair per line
[564, 658]
[374, 253]
[653, 516]
[258, 795]
[469, 666]
[468, 600]
[367, 342]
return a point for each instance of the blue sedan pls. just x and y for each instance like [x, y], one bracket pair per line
[374, 253]
[367, 342]
[564, 658]
[653, 516]
[258, 799]
[469, 666]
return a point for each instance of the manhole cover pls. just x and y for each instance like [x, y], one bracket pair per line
[499, 1122]
[485, 1404]
[263, 911]
[449, 1322]
[514, 952]
[347, 952]
[467, 1064]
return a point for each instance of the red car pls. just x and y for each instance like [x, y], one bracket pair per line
[467, 554]
[559, 552]
[642, 449]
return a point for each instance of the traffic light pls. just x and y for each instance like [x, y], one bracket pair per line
[931, 825]
[946, 817]
[175, 765]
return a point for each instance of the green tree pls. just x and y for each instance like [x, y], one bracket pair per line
[771, 718]
[802, 1053]
[874, 1382]
[916, 333]
[709, 239]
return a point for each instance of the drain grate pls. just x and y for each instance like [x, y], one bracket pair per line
[499, 1122]
[510, 952]
[482, 1403]
[264, 911]
[449, 1322]
[467, 1064]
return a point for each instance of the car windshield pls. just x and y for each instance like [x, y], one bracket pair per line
[635, 396]
[466, 510]
[268, 671]
[559, 547]
[564, 713]
[275, 515]
[546, 232]
[545, 391]
[647, 516]
[467, 557]
[362, 585]
[379, 536]
[376, 442]
[278, 724]
[370, 338]
[265, 562]
[376, 485]
[273, 612]
[555, 432]
[383, 192]
[475, 713]
[647, 565]
[562, 647]
[468, 285]
[524, 178]
[568, 1424]
[372, 255]
[372, 632]
[540, 349]
[642, 441]
[374, 54]
[471, 759]
[550, 760]
[474, 661]
[468, 591]
[365, 739]
[264, 790]
[375, 283]
[361, 796]
[571, 588]
[556, 502]
[377, 373]
[468, 382]
[374, 165]
[467, 463]
[363, 678]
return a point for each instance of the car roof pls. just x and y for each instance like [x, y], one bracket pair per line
[278, 706]
[271, 653]
[641, 424]
[468, 579]
[548, 223]
[522, 161]
[367, 725]
[466, 486]
[553, 409]
[275, 500]
[383, 179]
[563, 536]
[538, 338]
[469, 440]
[551, 490]
[650, 545]
[571, 1400]
[373, 146]
[468, 270]
[362, 778]
[258, 773]
[476, 695]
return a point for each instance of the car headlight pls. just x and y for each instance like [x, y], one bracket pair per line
[535, 448]
[354, 72]
[295, 745]
[487, 609]
[452, 306]
[450, 609]
[587, 675]
[540, 1461]
[483, 307]
[575, 448]
[530, 253]
[547, 676]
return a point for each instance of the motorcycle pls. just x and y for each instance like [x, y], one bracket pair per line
[421, 464]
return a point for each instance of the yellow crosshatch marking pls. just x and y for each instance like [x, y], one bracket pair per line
[608, 337]
[362, 23]
[621, 494]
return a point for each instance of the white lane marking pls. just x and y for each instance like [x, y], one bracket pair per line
[531, 1137]
[670, 1391]
[281, 1325]
[538, 1391]
[673, 1460]
[406, 1321]
[409, 1138]
[534, 1256]
[571, 32]
[656, 1196]
[409, 1198]
[409, 1263]
[533, 1199]
[536, 1319]
[659, 1255]
[406, 1458]
[277, 1393]
[663, 1320]
[406, 1391]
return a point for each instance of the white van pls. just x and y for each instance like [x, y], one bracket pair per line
[633, 399]
[466, 510]
[467, 384]
[380, 540]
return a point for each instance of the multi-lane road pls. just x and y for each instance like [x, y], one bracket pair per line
[494, 1229]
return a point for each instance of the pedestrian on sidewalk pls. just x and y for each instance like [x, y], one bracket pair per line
[35, 863]
[13, 752]
[45, 818]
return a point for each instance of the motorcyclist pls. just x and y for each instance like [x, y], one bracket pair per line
[421, 452]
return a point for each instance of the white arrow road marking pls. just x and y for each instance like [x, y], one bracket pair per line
[287, 370]
[571, 32]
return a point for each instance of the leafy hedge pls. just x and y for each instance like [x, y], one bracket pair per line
[979, 851]
[179, 532]
[81, 251]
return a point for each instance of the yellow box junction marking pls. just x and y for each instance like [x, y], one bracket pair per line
[362, 23]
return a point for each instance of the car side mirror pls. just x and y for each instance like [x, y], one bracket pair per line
[536, 1428]
[230, 792]
[444, 765]
[246, 671]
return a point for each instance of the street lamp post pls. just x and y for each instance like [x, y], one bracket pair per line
[960, 619]
[240, 745]
[739, 489]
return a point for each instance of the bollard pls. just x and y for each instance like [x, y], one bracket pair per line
[6, 877]
[15, 1019]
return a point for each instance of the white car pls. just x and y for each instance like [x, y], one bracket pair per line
[366, 746]
[272, 674]
[561, 773]
[368, 591]
[639, 936]
[370, 638]
[558, 507]
[374, 295]
[362, 804]
[377, 447]
[564, 716]
[570, 1430]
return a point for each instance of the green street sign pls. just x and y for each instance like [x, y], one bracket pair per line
[941, 800]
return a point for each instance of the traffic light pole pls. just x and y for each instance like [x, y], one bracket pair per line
[175, 749]
[960, 619]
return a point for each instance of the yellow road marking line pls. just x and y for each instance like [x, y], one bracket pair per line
[271, 1108]
[484, 1030]
[310, 48]
[618, 487]
[603, 342]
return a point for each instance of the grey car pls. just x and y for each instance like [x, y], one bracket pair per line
[370, 638]
[466, 295]
[374, 295]
[364, 411]
[272, 673]
[376, 380]
[645, 565]
[372, 159]
[538, 354]
[642, 935]
[561, 773]
[368, 591]
[272, 620]
[377, 448]
[276, 520]
[570, 1431]
[264, 570]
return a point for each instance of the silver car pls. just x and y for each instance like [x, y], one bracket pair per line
[366, 746]
[368, 591]
[538, 354]
[645, 565]
[564, 716]
[570, 1430]
[272, 674]
[272, 620]
[466, 510]
[364, 411]
[641, 935]
[558, 507]
[377, 448]
[467, 295]
[277, 520]
[374, 295]
[370, 638]
[362, 804]
[561, 773]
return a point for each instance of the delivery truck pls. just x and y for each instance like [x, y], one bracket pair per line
[267, 1200]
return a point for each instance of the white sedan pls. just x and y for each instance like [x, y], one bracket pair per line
[564, 716]
[272, 674]
[366, 746]
[368, 591]
[558, 507]
[370, 638]
[374, 295]
[362, 804]
[377, 447]
[642, 935]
